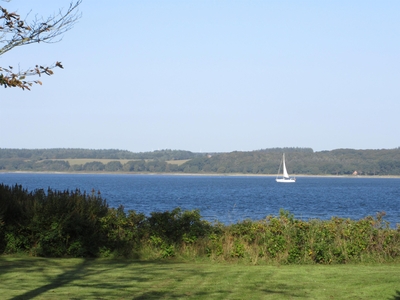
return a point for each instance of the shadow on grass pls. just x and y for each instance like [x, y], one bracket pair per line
[72, 272]
[60, 280]
[87, 273]
[396, 297]
[102, 279]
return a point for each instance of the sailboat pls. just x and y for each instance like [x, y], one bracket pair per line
[285, 176]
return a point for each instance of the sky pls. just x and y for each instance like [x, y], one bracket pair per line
[211, 76]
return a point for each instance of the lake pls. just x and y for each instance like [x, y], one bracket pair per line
[230, 199]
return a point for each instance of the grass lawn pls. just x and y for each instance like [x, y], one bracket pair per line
[44, 278]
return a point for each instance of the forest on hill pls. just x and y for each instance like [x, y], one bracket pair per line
[305, 161]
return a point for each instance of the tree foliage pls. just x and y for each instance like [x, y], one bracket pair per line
[76, 224]
[68, 153]
[16, 31]
[298, 160]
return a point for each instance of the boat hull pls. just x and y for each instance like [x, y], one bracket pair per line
[283, 180]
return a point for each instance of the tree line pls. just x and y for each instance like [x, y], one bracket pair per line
[70, 153]
[264, 161]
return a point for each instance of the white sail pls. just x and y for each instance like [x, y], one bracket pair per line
[285, 178]
[285, 173]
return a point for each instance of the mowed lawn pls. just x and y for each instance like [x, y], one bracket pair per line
[44, 278]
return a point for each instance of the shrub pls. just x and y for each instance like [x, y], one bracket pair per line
[52, 223]
[177, 226]
[71, 223]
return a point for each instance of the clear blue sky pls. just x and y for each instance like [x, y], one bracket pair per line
[211, 76]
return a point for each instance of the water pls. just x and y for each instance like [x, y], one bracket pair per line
[230, 199]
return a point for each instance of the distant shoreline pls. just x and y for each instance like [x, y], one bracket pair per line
[200, 174]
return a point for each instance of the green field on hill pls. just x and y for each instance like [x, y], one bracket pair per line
[82, 161]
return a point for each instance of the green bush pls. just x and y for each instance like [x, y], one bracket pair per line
[75, 224]
[177, 226]
[122, 232]
[52, 223]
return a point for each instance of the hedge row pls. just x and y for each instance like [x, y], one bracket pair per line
[76, 224]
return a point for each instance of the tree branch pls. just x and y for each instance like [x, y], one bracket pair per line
[15, 32]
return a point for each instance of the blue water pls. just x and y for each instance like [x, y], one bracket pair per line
[230, 199]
